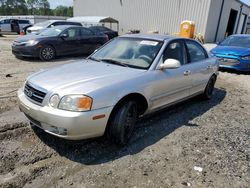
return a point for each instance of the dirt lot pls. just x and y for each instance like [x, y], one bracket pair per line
[195, 144]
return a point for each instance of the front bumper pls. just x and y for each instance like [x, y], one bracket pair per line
[237, 68]
[234, 63]
[65, 124]
[25, 51]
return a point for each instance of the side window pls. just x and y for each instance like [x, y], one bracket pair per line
[23, 22]
[175, 50]
[73, 23]
[195, 51]
[103, 29]
[86, 32]
[72, 33]
[56, 24]
[7, 21]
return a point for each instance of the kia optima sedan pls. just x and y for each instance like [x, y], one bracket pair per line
[234, 53]
[58, 41]
[106, 93]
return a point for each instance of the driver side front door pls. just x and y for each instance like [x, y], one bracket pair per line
[172, 85]
[69, 44]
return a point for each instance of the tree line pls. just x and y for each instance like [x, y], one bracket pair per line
[32, 7]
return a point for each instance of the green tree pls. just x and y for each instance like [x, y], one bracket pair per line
[63, 11]
[13, 7]
[44, 7]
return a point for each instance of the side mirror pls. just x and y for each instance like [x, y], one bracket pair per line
[64, 35]
[170, 64]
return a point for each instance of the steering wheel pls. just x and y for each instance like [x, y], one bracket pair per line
[145, 58]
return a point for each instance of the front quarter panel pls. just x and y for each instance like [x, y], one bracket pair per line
[111, 95]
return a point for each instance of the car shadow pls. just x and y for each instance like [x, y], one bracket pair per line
[57, 59]
[234, 71]
[149, 131]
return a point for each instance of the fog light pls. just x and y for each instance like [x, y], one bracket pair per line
[57, 130]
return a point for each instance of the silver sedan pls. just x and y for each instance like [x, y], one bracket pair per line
[129, 77]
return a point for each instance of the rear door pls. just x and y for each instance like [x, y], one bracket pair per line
[198, 65]
[88, 41]
[23, 23]
[172, 85]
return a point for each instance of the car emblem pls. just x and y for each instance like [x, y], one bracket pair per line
[30, 93]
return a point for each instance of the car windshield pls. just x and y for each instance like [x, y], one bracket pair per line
[51, 32]
[129, 52]
[239, 41]
[43, 24]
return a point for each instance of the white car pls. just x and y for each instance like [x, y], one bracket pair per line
[39, 27]
[13, 25]
[129, 77]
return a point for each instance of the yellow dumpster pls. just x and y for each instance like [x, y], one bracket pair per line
[187, 29]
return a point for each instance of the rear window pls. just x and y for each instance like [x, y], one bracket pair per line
[74, 23]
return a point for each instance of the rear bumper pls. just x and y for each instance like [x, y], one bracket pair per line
[25, 51]
[65, 124]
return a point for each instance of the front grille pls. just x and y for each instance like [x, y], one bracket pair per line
[34, 94]
[228, 61]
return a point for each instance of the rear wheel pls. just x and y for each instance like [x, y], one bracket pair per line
[208, 93]
[47, 53]
[123, 122]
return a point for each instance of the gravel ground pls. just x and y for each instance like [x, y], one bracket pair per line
[194, 144]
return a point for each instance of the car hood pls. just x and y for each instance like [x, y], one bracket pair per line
[231, 51]
[35, 28]
[26, 38]
[84, 75]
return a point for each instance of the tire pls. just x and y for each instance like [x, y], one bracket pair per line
[47, 53]
[122, 123]
[208, 93]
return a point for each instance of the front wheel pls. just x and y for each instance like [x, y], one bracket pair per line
[123, 122]
[47, 53]
[208, 93]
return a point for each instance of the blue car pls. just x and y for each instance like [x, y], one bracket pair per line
[234, 53]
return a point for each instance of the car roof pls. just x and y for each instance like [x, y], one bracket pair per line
[158, 37]
[67, 26]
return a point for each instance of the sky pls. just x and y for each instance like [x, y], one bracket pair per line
[55, 3]
[246, 1]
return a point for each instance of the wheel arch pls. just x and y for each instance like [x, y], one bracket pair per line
[137, 97]
[50, 44]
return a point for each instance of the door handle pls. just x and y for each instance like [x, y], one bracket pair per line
[187, 73]
[209, 67]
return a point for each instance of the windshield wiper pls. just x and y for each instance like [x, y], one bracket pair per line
[94, 59]
[112, 61]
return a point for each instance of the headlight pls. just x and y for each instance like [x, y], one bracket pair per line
[54, 101]
[29, 43]
[76, 103]
[246, 58]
